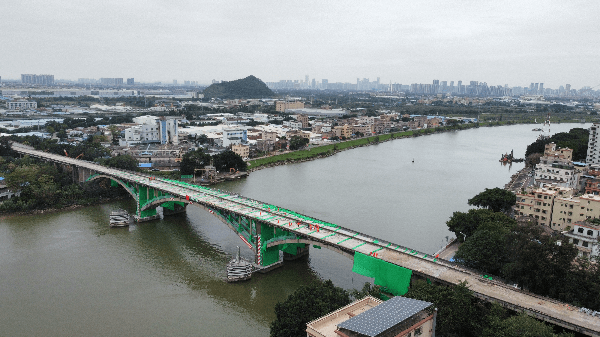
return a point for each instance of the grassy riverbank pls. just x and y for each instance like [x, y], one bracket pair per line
[330, 149]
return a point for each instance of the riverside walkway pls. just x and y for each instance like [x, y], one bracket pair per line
[301, 229]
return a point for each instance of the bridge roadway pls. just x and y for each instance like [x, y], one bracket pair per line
[349, 241]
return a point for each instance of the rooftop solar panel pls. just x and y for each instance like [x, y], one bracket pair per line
[384, 316]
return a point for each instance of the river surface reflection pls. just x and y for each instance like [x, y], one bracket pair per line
[68, 273]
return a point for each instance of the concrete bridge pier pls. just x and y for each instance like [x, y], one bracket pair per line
[300, 253]
[177, 208]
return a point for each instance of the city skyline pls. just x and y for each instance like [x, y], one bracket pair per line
[512, 43]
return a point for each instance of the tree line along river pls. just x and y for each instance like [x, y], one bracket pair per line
[68, 273]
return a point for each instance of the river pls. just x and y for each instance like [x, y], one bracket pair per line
[68, 273]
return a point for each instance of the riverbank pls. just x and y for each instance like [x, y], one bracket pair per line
[61, 209]
[331, 149]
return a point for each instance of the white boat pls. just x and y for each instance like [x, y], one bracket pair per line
[239, 269]
[119, 218]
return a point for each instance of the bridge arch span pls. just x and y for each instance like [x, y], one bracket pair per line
[127, 188]
[312, 242]
[157, 201]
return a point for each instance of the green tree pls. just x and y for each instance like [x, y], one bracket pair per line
[367, 290]
[496, 199]
[465, 224]
[304, 305]
[538, 263]
[114, 131]
[298, 142]
[125, 162]
[227, 160]
[460, 314]
[485, 249]
[194, 160]
[501, 324]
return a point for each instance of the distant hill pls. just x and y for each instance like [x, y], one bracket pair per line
[249, 87]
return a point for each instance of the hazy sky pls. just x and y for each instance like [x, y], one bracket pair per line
[499, 42]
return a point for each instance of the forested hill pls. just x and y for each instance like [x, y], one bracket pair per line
[249, 87]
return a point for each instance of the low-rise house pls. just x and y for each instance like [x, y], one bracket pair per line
[398, 316]
[584, 236]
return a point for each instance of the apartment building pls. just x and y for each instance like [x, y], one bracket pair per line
[556, 168]
[242, 150]
[569, 210]
[539, 202]
[366, 130]
[281, 106]
[303, 119]
[342, 131]
[593, 152]
[563, 153]
[584, 236]
[21, 105]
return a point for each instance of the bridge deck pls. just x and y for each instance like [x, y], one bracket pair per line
[352, 241]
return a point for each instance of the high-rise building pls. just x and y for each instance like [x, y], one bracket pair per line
[37, 79]
[593, 152]
[324, 83]
[130, 81]
[568, 89]
[541, 89]
[174, 82]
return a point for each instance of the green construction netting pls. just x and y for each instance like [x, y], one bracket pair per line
[269, 255]
[113, 183]
[395, 278]
[292, 248]
[143, 199]
[169, 205]
[315, 246]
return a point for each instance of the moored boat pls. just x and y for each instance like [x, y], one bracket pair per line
[119, 218]
[238, 269]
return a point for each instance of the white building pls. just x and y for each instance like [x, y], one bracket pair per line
[141, 134]
[151, 129]
[21, 105]
[584, 236]
[593, 152]
[293, 124]
[234, 136]
[551, 171]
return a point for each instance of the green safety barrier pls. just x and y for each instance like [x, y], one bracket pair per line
[315, 246]
[189, 176]
[395, 278]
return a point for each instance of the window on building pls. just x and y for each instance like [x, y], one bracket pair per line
[575, 241]
[584, 243]
[579, 230]
[570, 213]
[590, 233]
[419, 331]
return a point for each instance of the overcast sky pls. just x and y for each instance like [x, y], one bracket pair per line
[499, 42]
